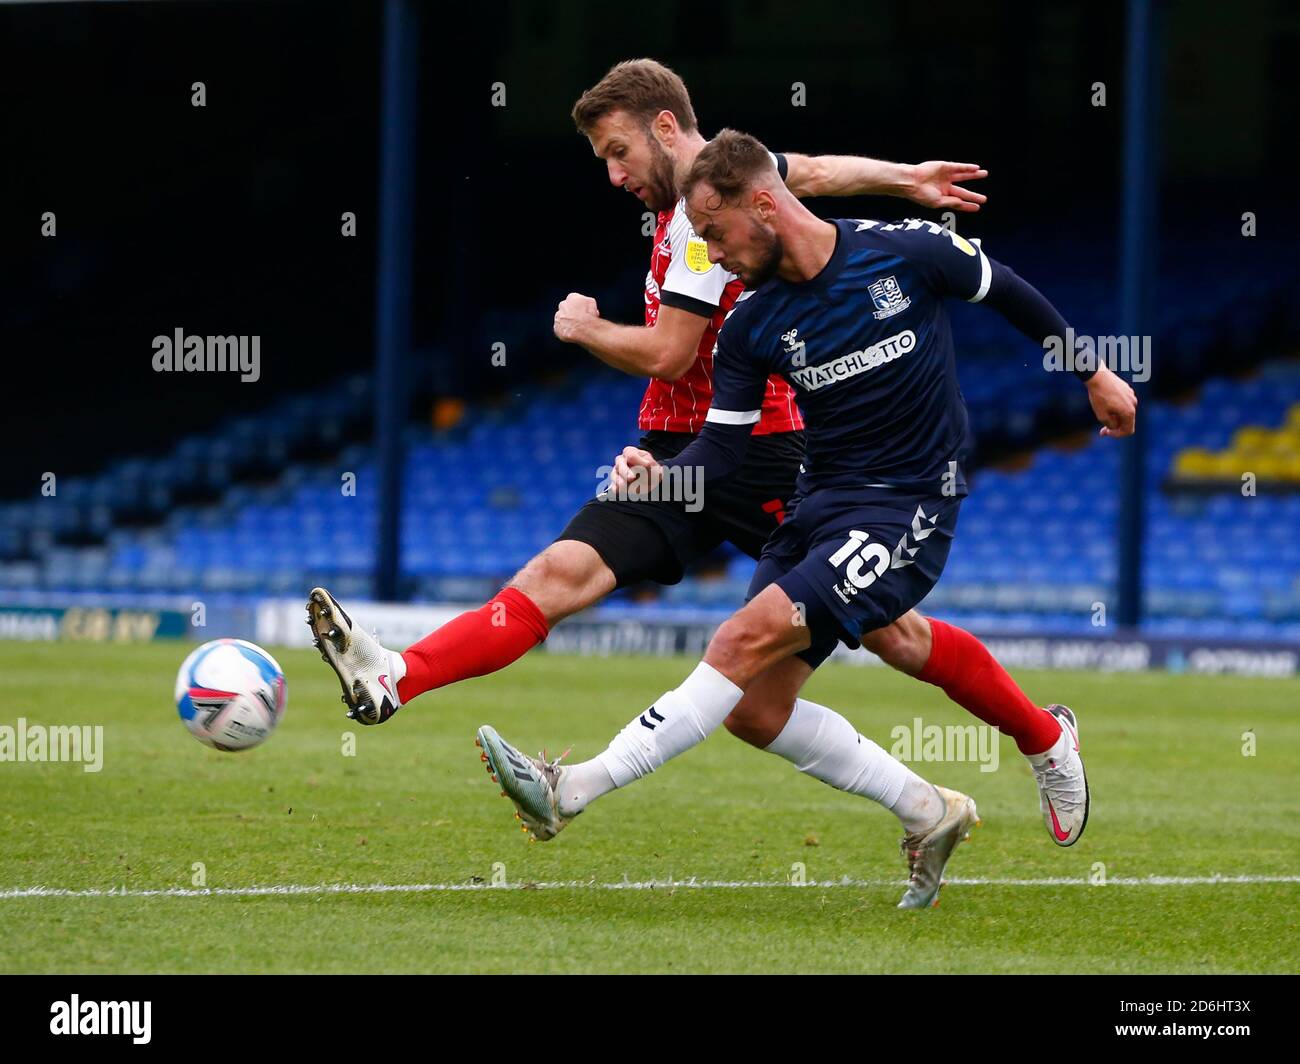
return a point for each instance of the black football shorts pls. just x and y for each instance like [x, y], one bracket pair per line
[652, 540]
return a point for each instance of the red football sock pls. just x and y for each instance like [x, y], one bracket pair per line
[969, 675]
[500, 631]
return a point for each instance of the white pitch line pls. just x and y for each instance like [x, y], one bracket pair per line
[652, 884]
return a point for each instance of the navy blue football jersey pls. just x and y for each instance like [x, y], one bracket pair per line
[867, 345]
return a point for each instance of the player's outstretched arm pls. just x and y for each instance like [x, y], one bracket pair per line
[1024, 306]
[665, 351]
[934, 184]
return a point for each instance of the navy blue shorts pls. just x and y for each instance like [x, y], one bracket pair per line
[857, 559]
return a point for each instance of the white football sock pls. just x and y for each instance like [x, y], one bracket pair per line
[920, 806]
[677, 721]
[820, 742]
[581, 784]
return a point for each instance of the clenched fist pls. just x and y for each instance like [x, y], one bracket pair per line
[572, 314]
[634, 469]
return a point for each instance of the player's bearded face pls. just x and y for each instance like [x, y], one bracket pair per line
[635, 159]
[757, 260]
[737, 237]
[661, 184]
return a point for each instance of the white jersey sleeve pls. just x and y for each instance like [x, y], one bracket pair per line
[691, 282]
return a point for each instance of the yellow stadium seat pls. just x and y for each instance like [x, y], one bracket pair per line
[1251, 438]
[1266, 467]
[1269, 453]
[1194, 462]
[1226, 464]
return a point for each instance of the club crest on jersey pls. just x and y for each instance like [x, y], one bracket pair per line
[888, 298]
[697, 256]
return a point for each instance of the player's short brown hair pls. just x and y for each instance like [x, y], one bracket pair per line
[731, 163]
[642, 88]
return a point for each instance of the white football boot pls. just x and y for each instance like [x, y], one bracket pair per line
[365, 668]
[1062, 784]
[928, 852]
[530, 782]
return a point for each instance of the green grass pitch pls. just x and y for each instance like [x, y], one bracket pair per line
[1173, 796]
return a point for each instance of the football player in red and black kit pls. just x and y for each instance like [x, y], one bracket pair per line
[640, 122]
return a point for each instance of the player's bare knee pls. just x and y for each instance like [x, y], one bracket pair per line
[745, 729]
[739, 646]
[727, 651]
[889, 645]
[566, 577]
[756, 721]
[538, 572]
[903, 645]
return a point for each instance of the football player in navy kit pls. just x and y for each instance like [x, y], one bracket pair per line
[851, 314]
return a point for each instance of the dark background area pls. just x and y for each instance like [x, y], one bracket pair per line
[225, 219]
